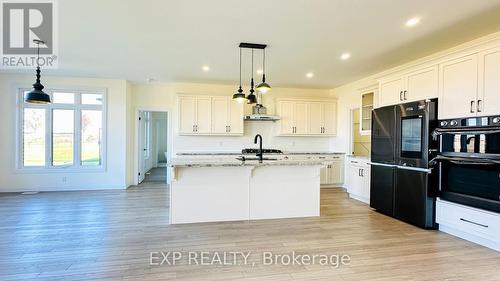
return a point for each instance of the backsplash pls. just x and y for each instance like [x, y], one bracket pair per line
[265, 128]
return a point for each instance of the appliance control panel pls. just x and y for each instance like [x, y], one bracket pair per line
[470, 122]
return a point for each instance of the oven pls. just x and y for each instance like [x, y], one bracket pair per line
[469, 161]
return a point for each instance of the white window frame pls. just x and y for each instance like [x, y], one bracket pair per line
[77, 107]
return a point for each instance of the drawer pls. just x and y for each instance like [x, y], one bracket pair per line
[469, 220]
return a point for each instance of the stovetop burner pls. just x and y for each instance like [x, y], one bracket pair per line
[264, 151]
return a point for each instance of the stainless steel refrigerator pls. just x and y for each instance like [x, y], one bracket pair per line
[402, 183]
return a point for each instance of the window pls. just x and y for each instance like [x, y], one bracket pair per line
[67, 133]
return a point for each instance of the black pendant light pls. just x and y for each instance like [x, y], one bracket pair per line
[263, 87]
[37, 95]
[251, 99]
[239, 96]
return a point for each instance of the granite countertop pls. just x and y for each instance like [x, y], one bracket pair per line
[239, 153]
[233, 162]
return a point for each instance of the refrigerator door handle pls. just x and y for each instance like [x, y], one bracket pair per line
[424, 170]
[382, 165]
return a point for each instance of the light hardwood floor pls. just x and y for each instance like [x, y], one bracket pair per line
[109, 235]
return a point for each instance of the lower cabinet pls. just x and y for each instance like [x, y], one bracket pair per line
[333, 173]
[359, 180]
[478, 226]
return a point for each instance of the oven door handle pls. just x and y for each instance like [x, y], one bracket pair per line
[463, 161]
[465, 131]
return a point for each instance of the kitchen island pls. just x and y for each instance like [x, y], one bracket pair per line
[227, 189]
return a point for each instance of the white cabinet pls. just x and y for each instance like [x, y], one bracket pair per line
[390, 91]
[489, 83]
[476, 225]
[333, 173]
[458, 82]
[307, 118]
[359, 180]
[207, 115]
[227, 116]
[411, 86]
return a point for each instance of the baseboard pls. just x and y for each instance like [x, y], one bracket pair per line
[64, 188]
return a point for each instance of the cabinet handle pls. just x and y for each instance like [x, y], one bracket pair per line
[363, 173]
[359, 172]
[404, 95]
[193, 129]
[479, 106]
[483, 225]
[401, 96]
[229, 128]
[196, 127]
[472, 106]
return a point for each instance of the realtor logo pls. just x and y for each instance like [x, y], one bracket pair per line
[22, 22]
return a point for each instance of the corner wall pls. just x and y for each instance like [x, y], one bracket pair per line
[114, 176]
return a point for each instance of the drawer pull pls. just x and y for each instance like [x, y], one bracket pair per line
[462, 219]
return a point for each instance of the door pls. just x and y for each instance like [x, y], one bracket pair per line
[422, 84]
[382, 188]
[330, 118]
[220, 115]
[187, 115]
[235, 118]
[458, 81]
[142, 148]
[315, 118]
[203, 115]
[489, 85]
[324, 175]
[383, 135]
[287, 122]
[355, 180]
[391, 91]
[336, 172]
[300, 118]
[411, 203]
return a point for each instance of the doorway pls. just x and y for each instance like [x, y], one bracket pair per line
[152, 147]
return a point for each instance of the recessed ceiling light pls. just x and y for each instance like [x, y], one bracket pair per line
[345, 56]
[309, 75]
[205, 68]
[260, 71]
[412, 22]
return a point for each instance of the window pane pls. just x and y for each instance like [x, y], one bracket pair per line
[68, 98]
[62, 137]
[91, 99]
[34, 137]
[91, 137]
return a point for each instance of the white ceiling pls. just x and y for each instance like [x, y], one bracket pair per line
[171, 40]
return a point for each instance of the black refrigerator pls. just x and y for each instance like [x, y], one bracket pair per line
[402, 184]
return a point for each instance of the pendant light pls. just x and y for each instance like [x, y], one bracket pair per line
[251, 99]
[37, 95]
[239, 96]
[263, 87]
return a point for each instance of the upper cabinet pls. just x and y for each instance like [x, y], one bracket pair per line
[489, 85]
[365, 112]
[206, 115]
[458, 87]
[410, 86]
[307, 118]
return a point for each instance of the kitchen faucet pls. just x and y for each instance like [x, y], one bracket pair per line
[259, 153]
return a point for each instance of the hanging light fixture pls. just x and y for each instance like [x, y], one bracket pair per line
[251, 99]
[37, 95]
[263, 87]
[239, 96]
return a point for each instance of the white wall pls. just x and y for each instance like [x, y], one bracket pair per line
[163, 97]
[114, 175]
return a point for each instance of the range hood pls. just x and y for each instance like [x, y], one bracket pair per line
[259, 113]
